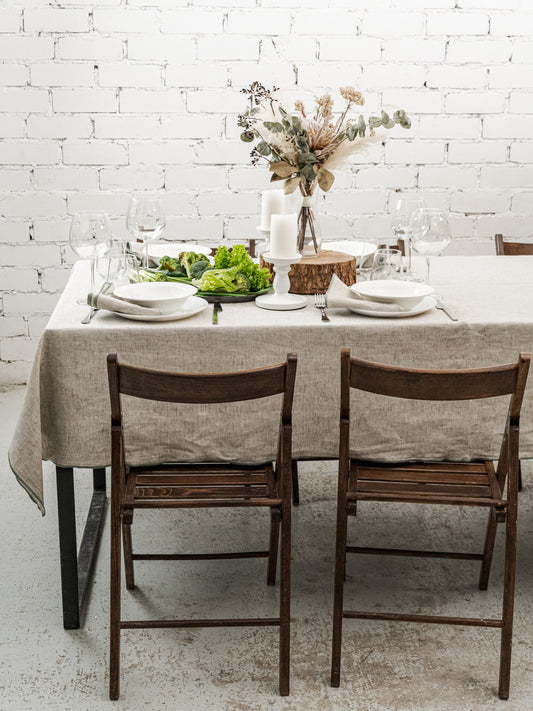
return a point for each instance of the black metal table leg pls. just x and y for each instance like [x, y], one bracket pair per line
[76, 568]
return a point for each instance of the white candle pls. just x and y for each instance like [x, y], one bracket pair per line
[283, 231]
[272, 203]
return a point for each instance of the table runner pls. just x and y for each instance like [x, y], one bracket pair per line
[65, 413]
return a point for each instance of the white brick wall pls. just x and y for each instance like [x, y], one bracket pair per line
[99, 98]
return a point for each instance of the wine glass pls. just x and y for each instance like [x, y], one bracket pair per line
[145, 220]
[113, 266]
[387, 264]
[401, 217]
[89, 237]
[430, 232]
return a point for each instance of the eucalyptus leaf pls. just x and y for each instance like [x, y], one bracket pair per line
[282, 168]
[247, 136]
[361, 125]
[385, 117]
[374, 122]
[399, 116]
[273, 126]
[351, 132]
[263, 148]
[308, 172]
[275, 177]
[325, 179]
[291, 184]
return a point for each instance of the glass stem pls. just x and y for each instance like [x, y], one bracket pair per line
[146, 254]
[427, 264]
[93, 264]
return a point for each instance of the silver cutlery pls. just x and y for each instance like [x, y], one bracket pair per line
[217, 307]
[320, 304]
[89, 316]
[440, 305]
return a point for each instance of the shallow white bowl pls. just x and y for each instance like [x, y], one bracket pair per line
[393, 291]
[166, 296]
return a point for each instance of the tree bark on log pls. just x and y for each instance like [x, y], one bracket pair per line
[312, 275]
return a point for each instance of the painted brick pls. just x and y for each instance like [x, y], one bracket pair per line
[54, 280]
[513, 24]
[278, 73]
[62, 74]
[195, 75]
[508, 127]
[250, 178]
[55, 230]
[15, 349]
[414, 101]
[114, 203]
[208, 228]
[13, 74]
[218, 203]
[14, 232]
[448, 127]
[132, 74]
[358, 49]
[33, 205]
[19, 280]
[23, 100]
[56, 20]
[190, 127]
[11, 127]
[92, 47]
[325, 74]
[59, 127]
[443, 176]
[94, 153]
[222, 152]
[215, 101]
[11, 325]
[483, 51]
[35, 255]
[84, 100]
[12, 179]
[131, 179]
[414, 152]
[483, 152]
[457, 23]
[192, 21]
[386, 177]
[160, 153]
[355, 202]
[506, 177]
[479, 201]
[521, 102]
[393, 24]
[196, 179]
[288, 49]
[140, 101]
[63, 178]
[163, 48]
[11, 19]
[21, 47]
[416, 50]
[29, 152]
[522, 52]
[123, 21]
[36, 325]
[324, 22]
[515, 225]
[424, 4]
[522, 202]
[400, 75]
[221, 48]
[460, 77]
[125, 127]
[522, 152]
[475, 102]
[512, 76]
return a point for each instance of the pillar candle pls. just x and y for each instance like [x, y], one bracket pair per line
[283, 231]
[272, 203]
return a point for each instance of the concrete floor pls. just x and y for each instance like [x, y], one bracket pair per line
[385, 666]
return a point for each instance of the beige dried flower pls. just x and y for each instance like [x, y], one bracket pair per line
[299, 106]
[325, 106]
[350, 94]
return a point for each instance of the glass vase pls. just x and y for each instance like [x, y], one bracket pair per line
[309, 239]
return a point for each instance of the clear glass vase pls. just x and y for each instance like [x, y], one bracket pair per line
[309, 239]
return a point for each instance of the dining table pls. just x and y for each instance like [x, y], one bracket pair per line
[65, 416]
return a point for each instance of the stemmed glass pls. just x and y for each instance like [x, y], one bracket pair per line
[114, 265]
[90, 237]
[401, 217]
[145, 220]
[430, 232]
[387, 264]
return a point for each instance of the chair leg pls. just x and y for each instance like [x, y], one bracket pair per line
[508, 604]
[338, 595]
[114, 621]
[488, 549]
[128, 560]
[520, 483]
[273, 546]
[285, 604]
[295, 483]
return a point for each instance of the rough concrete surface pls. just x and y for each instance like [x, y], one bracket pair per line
[386, 666]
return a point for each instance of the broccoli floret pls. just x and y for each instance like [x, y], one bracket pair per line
[168, 264]
[198, 268]
[187, 259]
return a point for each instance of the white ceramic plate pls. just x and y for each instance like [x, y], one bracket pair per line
[426, 304]
[164, 295]
[174, 249]
[193, 306]
[361, 250]
[393, 291]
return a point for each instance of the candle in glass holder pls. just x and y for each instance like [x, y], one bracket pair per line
[283, 231]
[272, 203]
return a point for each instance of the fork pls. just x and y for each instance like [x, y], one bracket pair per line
[320, 304]
[440, 305]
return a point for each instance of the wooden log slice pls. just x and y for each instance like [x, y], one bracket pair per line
[313, 274]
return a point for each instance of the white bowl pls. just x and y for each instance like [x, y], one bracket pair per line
[166, 296]
[393, 291]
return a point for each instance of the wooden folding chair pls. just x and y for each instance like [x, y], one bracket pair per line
[217, 484]
[512, 249]
[452, 483]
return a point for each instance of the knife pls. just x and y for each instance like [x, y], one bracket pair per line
[217, 306]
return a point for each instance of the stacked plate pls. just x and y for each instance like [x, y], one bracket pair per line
[414, 298]
[176, 301]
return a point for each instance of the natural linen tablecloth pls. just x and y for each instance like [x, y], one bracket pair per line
[65, 416]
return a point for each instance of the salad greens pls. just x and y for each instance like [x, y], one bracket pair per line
[234, 272]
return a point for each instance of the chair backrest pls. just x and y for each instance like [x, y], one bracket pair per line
[198, 388]
[417, 384]
[400, 245]
[512, 249]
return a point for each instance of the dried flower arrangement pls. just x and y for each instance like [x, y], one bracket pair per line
[301, 149]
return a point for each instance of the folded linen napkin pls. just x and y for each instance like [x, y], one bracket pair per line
[340, 296]
[110, 302]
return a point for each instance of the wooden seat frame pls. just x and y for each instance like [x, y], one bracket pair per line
[200, 486]
[512, 249]
[473, 484]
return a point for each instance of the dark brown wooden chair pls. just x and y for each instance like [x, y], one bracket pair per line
[200, 486]
[400, 244]
[512, 249]
[457, 484]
